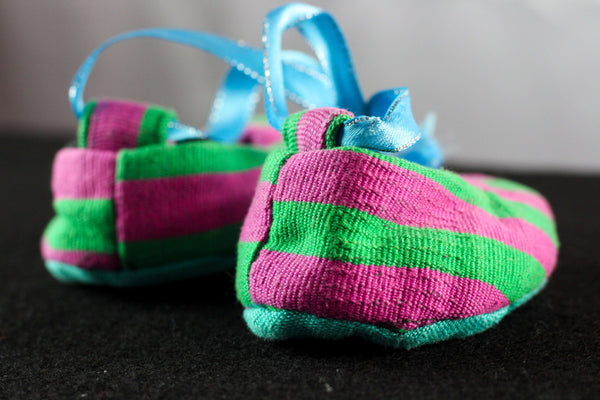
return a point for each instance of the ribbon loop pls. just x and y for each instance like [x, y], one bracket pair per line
[322, 33]
[304, 82]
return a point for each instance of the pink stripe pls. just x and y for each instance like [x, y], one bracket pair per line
[259, 218]
[83, 174]
[259, 135]
[520, 196]
[82, 259]
[114, 125]
[401, 297]
[312, 127]
[401, 196]
[169, 207]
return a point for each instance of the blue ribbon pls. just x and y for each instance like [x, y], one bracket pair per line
[238, 96]
[384, 124]
[390, 128]
[236, 99]
[322, 33]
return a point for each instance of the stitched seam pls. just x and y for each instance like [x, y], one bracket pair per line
[267, 236]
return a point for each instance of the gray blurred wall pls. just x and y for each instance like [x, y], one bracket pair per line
[514, 83]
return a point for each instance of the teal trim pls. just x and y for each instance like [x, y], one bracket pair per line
[273, 324]
[456, 329]
[67, 273]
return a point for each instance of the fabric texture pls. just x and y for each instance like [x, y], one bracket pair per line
[126, 199]
[187, 339]
[344, 241]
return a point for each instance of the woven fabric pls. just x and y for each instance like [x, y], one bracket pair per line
[387, 249]
[121, 124]
[179, 202]
[127, 200]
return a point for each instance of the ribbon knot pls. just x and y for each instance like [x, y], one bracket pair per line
[391, 128]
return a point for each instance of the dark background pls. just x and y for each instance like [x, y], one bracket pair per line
[188, 340]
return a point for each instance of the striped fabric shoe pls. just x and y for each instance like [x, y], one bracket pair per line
[343, 241]
[133, 209]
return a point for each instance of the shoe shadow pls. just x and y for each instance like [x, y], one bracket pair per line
[215, 289]
[340, 348]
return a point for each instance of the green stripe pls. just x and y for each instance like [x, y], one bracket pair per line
[490, 202]
[153, 127]
[186, 159]
[500, 207]
[84, 122]
[332, 130]
[85, 225]
[502, 183]
[273, 164]
[150, 253]
[288, 131]
[349, 235]
[246, 254]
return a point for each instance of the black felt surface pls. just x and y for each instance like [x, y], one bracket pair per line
[188, 340]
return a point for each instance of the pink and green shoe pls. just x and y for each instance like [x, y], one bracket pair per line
[133, 208]
[345, 241]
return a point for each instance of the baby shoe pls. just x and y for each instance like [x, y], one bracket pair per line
[344, 238]
[345, 241]
[143, 198]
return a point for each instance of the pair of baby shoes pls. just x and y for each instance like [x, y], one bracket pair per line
[349, 226]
